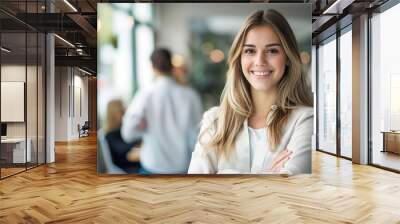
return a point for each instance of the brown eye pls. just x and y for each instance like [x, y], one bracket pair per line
[248, 51]
[273, 51]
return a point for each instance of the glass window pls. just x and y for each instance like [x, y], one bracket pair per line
[346, 94]
[327, 96]
[14, 153]
[22, 93]
[41, 99]
[125, 43]
[143, 12]
[385, 89]
[122, 70]
[115, 69]
[31, 97]
[145, 46]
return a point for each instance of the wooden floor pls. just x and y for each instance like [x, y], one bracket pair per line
[70, 191]
[10, 171]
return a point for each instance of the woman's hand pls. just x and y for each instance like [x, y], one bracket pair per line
[279, 161]
[133, 155]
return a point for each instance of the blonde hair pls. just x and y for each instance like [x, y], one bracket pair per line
[113, 121]
[236, 105]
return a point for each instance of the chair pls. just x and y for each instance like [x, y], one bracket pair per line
[105, 164]
[84, 130]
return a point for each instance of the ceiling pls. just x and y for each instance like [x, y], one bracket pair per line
[76, 25]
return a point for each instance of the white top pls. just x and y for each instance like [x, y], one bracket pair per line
[258, 143]
[296, 136]
[172, 113]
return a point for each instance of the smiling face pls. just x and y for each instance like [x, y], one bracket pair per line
[263, 58]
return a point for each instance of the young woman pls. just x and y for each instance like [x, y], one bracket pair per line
[265, 119]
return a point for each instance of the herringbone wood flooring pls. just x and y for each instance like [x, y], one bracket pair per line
[70, 191]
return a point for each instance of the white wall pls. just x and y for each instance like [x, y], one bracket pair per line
[12, 73]
[80, 97]
[70, 83]
[61, 103]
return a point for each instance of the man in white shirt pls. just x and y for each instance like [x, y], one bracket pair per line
[166, 115]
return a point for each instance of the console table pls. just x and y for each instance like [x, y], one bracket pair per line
[13, 150]
[391, 141]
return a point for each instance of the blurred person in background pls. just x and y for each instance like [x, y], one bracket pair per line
[124, 155]
[166, 115]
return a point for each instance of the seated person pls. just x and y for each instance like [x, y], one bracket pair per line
[124, 155]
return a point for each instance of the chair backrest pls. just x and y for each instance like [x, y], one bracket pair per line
[86, 125]
[105, 165]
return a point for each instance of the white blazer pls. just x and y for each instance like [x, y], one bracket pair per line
[296, 137]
